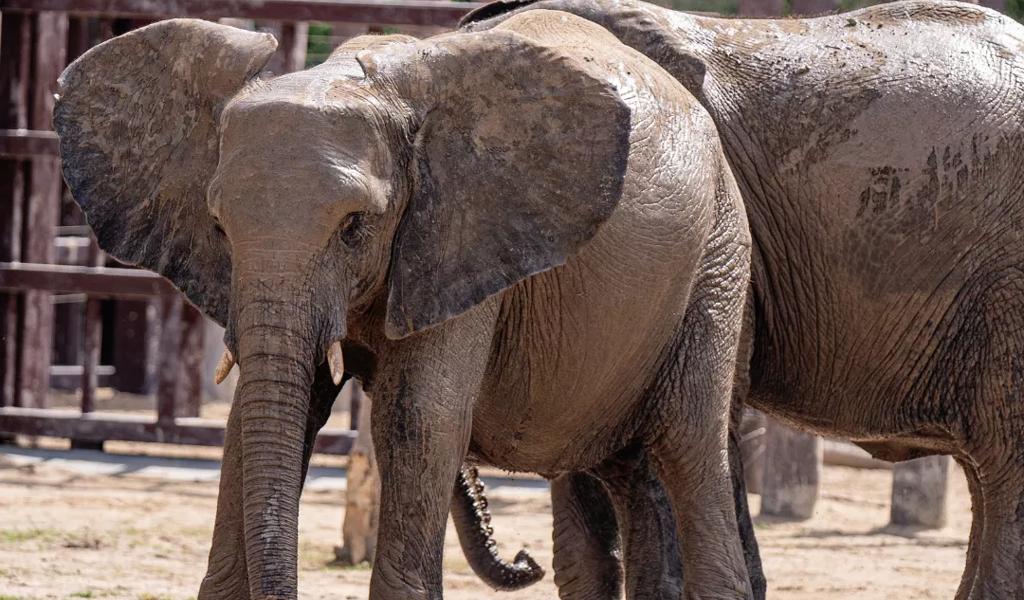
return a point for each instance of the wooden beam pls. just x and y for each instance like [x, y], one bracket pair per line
[441, 13]
[99, 427]
[97, 282]
[27, 143]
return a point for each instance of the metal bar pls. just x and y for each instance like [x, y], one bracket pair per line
[441, 13]
[98, 427]
[98, 282]
[26, 143]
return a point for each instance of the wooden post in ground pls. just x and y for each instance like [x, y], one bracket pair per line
[753, 432]
[792, 472]
[362, 496]
[919, 492]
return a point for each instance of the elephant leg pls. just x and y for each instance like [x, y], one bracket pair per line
[751, 552]
[977, 527]
[999, 572]
[226, 575]
[689, 433]
[647, 526]
[586, 539]
[422, 419]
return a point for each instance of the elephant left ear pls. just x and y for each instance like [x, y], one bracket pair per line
[520, 157]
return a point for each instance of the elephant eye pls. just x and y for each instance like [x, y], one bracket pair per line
[351, 228]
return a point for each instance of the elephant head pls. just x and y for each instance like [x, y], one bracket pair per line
[381, 193]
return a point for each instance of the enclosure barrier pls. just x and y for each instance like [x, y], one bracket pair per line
[38, 39]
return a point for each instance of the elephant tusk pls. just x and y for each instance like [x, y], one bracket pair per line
[336, 360]
[227, 362]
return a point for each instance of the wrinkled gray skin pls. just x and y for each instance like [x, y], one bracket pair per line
[879, 155]
[527, 240]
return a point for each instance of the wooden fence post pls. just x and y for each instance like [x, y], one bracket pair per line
[15, 63]
[169, 357]
[362, 494]
[42, 212]
[190, 392]
[919, 492]
[792, 472]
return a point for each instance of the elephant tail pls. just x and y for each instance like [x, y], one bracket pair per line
[473, 524]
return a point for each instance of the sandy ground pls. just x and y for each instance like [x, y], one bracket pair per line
[64, 534]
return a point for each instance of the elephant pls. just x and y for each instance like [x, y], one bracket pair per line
[525, 242]
[879, 157]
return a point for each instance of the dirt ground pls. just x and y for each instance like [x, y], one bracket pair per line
[67, 535]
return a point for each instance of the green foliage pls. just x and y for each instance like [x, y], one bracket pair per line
[1015, 8]
[722, 7]
[320, 43]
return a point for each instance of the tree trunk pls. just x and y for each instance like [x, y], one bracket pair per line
[362, 495]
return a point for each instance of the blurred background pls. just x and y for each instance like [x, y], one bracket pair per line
[110, 425]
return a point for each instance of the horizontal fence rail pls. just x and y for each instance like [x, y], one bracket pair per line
[97, 282]
[101, 427]
[386, 12]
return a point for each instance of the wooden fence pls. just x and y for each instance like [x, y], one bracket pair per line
[40, 227]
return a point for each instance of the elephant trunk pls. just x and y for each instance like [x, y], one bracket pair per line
[277, 357]
[472, 523]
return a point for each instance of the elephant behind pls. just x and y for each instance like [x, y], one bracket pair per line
[879, 156]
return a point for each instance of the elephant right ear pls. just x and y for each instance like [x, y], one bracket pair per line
[138, 123]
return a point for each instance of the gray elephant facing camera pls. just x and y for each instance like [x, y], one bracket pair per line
[526, 242]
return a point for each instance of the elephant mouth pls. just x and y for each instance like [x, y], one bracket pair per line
[360, 361]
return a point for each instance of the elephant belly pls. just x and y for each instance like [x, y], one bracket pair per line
[575, 349]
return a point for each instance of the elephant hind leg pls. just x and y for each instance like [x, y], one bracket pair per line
[977, 527]
[997, 533]
[688, 440]
[647, 525]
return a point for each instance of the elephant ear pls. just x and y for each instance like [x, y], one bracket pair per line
[138, 123]
[519, 158]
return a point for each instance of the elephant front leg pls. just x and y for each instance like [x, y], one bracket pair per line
[422, 417]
